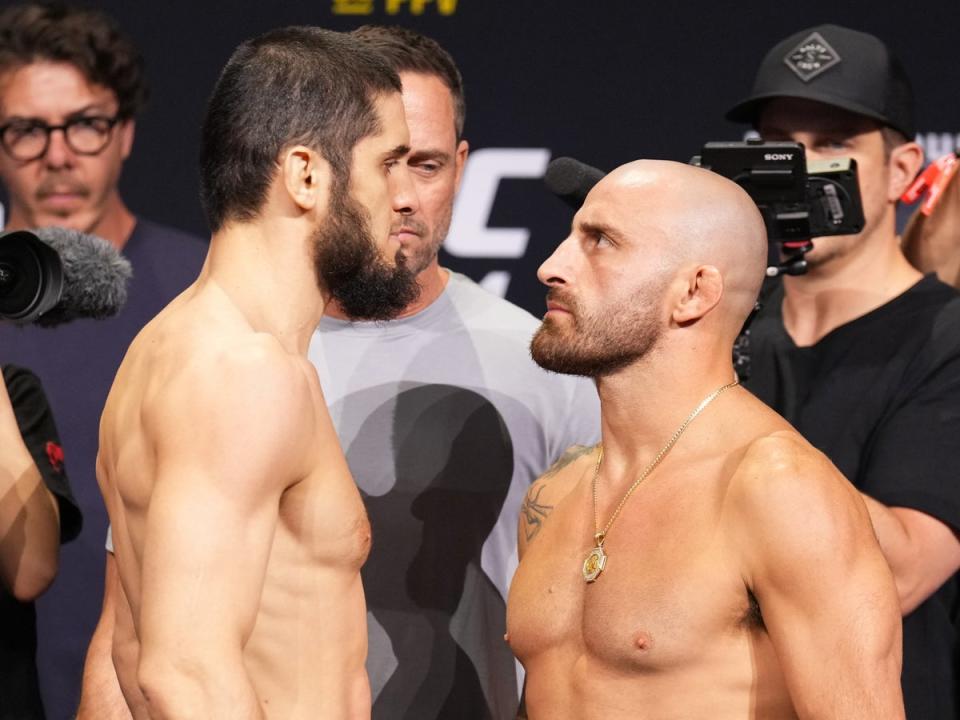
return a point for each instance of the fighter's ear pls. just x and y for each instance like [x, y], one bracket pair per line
[305, 177]
[703, 288]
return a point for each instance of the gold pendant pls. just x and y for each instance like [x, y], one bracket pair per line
[594, 564]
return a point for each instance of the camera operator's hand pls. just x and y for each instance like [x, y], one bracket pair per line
[29, 514]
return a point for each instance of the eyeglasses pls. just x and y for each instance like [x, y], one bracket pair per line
[26, 140]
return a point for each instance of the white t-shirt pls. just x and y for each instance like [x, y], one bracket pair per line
[446, 421]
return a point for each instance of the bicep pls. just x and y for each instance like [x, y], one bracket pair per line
[826, 595]
[206, 545]
[213, 510]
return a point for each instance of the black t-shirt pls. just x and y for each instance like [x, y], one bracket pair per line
[19, 689]
[880, 396]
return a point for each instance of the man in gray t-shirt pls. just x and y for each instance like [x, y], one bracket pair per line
[445, 421]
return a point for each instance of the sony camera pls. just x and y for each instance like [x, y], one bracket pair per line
[31, 277]
[799, 200]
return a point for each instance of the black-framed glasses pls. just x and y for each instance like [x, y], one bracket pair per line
[27, 140]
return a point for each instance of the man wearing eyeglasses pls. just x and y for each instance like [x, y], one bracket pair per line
[71, 84]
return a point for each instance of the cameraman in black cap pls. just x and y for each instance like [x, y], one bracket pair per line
[862, 353]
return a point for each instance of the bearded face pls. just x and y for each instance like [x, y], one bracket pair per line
[350, 266]
[599, 341]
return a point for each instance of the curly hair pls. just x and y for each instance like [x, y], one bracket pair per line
[87, 39]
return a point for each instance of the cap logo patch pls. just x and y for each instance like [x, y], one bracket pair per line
[811, 57]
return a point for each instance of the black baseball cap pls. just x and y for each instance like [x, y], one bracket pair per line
[836, 66]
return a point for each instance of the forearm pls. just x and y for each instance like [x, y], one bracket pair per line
[29, 528]
[921, 551]
[101, 697]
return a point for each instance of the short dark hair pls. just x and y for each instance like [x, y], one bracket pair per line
[87, 39]
[291, 86]
[406, 50]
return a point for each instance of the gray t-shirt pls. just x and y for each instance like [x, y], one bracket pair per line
[446, 421]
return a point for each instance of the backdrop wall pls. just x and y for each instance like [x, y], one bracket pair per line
[604, 81]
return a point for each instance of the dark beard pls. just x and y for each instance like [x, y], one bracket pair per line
[351, 268]
[596, 345]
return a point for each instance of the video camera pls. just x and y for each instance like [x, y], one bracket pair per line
[799, 200]
[31, 277]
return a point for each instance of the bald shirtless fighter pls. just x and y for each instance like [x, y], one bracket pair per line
[238, 531]
[706, 562]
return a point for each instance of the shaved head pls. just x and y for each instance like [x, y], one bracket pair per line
[656, 246]
[702, 217]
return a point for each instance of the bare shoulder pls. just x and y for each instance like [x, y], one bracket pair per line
[244, 393]
[788, 500]
[781, 466]
[252, 368]
[549, 489]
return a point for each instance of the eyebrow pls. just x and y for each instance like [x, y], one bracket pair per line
[398, 151]
[430, 154]
[80, 112]
[599, 228]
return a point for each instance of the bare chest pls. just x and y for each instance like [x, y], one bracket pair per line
[669, 590]
[322, 519]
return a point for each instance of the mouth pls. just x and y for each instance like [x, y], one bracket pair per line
[404, 235]
[554, 308]
[61, 197]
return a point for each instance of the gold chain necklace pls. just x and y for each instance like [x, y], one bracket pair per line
[597, 559]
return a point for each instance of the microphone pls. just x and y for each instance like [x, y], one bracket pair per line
[55, 275]
[571, 180]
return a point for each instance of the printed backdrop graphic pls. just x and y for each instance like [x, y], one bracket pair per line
[604, 81]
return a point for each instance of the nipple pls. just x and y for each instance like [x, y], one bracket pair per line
[643, 641]
[506, 638]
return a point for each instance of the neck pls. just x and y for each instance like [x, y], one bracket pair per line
[269, 278]
[644, 404]
[847, 286]
[432, 282]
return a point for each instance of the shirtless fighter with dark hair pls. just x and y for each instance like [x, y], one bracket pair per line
[704, 561]
[238, 531]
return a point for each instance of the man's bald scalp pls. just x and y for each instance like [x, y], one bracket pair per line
[709, 219]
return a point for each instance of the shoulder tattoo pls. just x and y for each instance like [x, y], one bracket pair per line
[571, 454]
[534, 511]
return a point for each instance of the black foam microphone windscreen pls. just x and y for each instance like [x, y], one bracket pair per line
[571, 180]
[95, 276]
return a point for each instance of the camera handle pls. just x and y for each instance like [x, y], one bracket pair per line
[793, 262]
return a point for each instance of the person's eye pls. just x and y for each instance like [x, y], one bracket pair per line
[98, 124]
[24, 130]
[600, 240]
